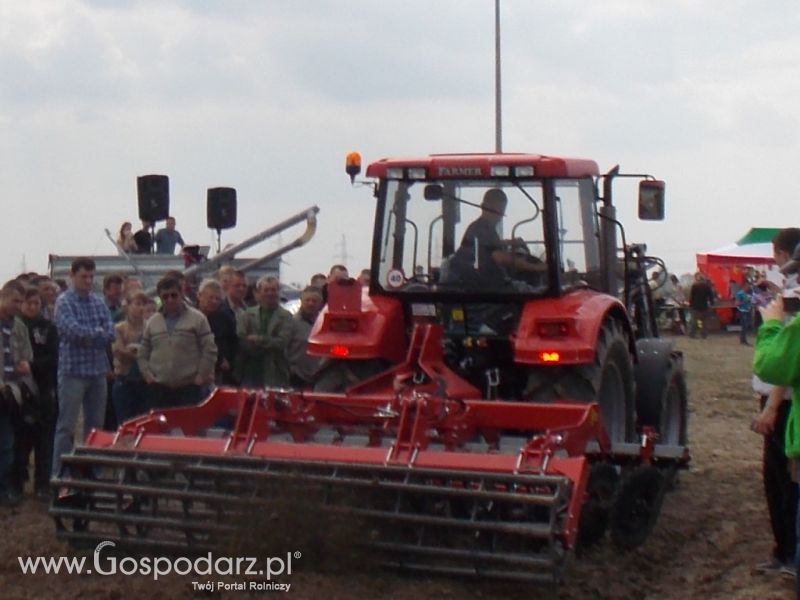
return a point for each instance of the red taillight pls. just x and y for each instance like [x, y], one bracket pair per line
[340, 325]
[340, 351]
[550, 357]
[551, 329]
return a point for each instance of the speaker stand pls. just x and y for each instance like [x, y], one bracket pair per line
[219, 240]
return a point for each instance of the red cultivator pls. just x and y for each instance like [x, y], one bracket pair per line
[446, 483]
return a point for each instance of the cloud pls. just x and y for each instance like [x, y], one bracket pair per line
[268, 97]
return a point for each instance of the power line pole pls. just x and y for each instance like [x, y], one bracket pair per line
[342, 255]
[498, 122]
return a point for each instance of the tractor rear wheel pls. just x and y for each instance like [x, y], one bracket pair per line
[607, 381]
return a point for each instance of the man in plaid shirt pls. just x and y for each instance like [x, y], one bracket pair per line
[84, 331]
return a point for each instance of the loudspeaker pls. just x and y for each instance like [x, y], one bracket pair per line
[221, 208]
[153, 197]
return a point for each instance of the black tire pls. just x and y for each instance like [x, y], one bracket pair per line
[661, 391]
[673, 423]
[595, 513]
[608, 381]
[338, 375]
[637, 506]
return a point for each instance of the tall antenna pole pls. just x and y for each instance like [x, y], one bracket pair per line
[498, 121]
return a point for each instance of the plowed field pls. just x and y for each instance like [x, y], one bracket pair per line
[712, 530]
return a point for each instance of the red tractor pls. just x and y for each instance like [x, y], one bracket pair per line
[488, 403]
[555, 314]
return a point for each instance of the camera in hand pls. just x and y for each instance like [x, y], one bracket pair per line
[791, 304]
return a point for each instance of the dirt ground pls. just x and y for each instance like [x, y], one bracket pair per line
[712, 530]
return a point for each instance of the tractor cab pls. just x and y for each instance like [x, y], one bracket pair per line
[483, 237]
[478, 238]
[481, 245]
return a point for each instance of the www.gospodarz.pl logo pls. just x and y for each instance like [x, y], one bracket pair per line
[158, 566]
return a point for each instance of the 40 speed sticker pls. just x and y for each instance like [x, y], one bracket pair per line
[395, 278]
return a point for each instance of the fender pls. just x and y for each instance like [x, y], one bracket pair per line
[564, 331]
[356, 326]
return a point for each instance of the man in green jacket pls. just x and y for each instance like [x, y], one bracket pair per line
[777, 361]
[264, 331]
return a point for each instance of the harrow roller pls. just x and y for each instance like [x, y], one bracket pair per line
[432, 490]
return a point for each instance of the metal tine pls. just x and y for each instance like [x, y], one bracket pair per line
[150, 491]
[160, 544]
[534, 561]
[224, 487]
[135, 519]
[472, 571]
[116, 501]
[183, 491]
[224, 465]
[480, 493]
[170, 511]
[527, 529]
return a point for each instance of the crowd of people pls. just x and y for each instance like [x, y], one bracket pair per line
[118, 354]
[687, 309]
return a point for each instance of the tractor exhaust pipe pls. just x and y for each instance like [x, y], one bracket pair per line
[608, 232]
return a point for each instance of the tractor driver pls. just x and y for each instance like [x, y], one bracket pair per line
[488, 269]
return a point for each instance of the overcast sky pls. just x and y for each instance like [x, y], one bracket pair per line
[268, 97]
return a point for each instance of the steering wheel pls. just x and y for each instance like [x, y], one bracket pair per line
[518, 247]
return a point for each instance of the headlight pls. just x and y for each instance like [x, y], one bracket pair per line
[394, 173]
[416, 173]
[499, 171]
[524, 171]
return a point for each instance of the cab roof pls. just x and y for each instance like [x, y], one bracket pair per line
[469, 166]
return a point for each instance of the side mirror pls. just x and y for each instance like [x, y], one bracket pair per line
[434, 191]
[651, 200]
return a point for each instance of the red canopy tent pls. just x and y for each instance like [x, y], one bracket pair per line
[732, 263]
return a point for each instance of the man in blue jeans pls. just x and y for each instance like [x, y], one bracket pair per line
[84, 331]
